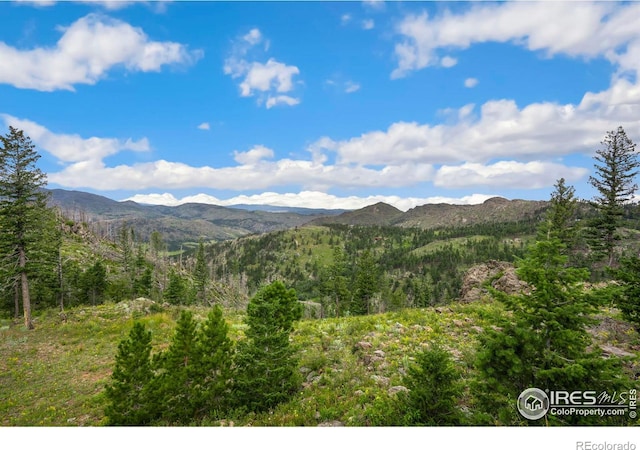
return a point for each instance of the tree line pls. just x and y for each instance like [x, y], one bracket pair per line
[203, 375]
[368, 268]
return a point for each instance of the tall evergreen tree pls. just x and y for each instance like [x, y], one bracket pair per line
[128, 393]
[616, 168]
[265, 360]
[214, 370]
[94, 282]
[367, 283]
[22, 207]
[175, 383]
[176, 292]
[335, 283]
[544, 343]
[559, 219]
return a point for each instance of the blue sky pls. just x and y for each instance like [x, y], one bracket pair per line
[319, 104]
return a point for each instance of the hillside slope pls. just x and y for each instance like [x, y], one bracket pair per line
[351, 367]
[188, 222]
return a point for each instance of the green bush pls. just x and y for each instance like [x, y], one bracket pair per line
[434, 389]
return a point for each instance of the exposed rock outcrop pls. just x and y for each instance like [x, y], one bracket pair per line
[502, 275]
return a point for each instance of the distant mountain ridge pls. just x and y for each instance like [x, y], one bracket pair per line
[192, 221]
[495, 209]
[187, 222]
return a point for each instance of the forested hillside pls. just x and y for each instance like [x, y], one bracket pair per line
[336, 323]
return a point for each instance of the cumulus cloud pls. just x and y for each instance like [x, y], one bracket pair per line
[308, 199]
[345, 19]
[71, 148]
[281, 100]
[84, 167]
[258, 175]
[448, 61]
[253, 37]
[86, 51]
[507, 174]
[272, 76]
[470, 82]
[253, 156]
[499, 129]
[268, 81]
[575, 29]
[204, 126]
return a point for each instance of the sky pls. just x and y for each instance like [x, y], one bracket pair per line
[319, 104]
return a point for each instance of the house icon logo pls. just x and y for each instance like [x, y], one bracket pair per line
[533, 403]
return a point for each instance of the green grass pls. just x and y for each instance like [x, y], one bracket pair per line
[457, 243]
[55, 375]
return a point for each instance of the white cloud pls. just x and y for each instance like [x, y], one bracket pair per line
[266, 80]
[83, 166]
[273, 75]
[470, 82]
[257, 175]
[507, 174]
[307, 199]
[448, 61]
[494, 145]
[281, 100]
[204, 126]
[499, 129]
[253, 37]
[576, 29]
[345, 19]
[351, 87]
[368, 24]
[87, 50]
[253, 156]
[71, 148]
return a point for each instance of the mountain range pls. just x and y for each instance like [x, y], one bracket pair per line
[193, 221]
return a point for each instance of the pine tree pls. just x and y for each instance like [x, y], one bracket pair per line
[560, 217]
[265, 361]
[22, 209]
[367, 283]
[176, 292]
[214, 371]
[434, 388]
[335, 283]
[628, 294]
[94, 282]
[544, 343]
[128, 394]
[176, 381]
[614, 181]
